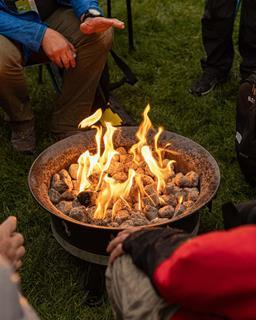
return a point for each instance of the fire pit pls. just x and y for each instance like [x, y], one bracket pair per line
[88, 240]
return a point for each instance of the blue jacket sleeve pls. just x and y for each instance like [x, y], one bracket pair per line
[22, 29]
[81, 6]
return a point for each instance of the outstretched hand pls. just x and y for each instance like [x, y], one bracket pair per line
[115, 247]
[100, 24]
[11, 242]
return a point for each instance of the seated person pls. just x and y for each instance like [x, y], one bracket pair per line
[75, 37]
[165, 274]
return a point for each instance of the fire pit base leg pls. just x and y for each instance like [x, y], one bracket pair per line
[94, 285]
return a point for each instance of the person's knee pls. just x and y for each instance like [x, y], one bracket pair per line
[10, 58]
[103, 41]
[108, 39]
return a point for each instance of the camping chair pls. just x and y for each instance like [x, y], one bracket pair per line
[129, 21]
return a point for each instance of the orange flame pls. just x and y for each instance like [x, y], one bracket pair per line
[96, 165]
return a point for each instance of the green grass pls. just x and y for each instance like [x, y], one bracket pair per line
[166, 61]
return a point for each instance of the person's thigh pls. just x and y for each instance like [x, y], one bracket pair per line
[132, 295]
[10, 55]
[65, 22]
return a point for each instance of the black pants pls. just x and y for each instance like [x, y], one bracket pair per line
[217, 30]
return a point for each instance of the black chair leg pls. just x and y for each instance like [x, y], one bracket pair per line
[130, 26]
[109, 9]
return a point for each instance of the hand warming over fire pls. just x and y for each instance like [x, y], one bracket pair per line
[115, 247]
[100, 24]
[11, 242]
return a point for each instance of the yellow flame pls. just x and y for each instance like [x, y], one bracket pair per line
[111, 193]
[96, 165]
[162, 174]
[141, 135]
[88, 122]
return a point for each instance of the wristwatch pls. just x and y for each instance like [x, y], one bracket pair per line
[91, 13]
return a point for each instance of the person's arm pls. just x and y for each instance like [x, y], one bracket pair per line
[11, 242]
[92, 25]
[26, 32]
[212, 274]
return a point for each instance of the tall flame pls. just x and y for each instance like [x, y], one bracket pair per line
[98, 163]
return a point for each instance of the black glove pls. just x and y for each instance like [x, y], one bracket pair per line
[149, 247]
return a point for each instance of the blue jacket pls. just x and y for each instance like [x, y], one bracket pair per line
[27, 28]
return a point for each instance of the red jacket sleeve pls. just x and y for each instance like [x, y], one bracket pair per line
[213, 274]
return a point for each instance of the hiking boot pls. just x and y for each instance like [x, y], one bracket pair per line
[206, 83]
[23, 138]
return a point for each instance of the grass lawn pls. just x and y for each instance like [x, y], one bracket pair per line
[166, 61]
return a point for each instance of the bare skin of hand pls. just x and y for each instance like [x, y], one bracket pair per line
[100, 24]
[11, 242]
[115, 247]
[58, 49]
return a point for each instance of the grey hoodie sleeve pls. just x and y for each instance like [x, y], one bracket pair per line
[13, 306]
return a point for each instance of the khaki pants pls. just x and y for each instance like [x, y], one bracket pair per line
[132, 295]
[79, 84]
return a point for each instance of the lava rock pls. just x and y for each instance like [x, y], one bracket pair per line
[181, 181]
[69, 195]
[180, 208]
[170, 188]
[139, 219]
[54, 196]
[75, 185]
[54, 180]
[120, 205]
[150, 212]
[73, 168]
[169, 199]
[84, 198]
[193, 179]
[64, 207]
[146, 179]
[78, 213]
[188, 204]
[153, 200]
[150, 188]
[120, 176]
[115, 167]
[121, 216]
[61, 186]
[76, 203]
[192, 194]
[166, 212]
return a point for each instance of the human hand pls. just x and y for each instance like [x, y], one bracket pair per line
[100, 24]
[58, 49]
[11, 242]
[115, 247]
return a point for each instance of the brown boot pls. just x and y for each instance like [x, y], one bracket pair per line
[23, 138]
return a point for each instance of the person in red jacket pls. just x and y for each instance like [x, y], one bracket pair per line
[166, 274]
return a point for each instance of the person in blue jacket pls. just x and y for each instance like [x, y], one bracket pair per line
[72, 34]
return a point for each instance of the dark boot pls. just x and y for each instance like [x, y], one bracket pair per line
[23, 138]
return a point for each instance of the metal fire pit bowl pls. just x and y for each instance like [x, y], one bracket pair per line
[89, 242]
